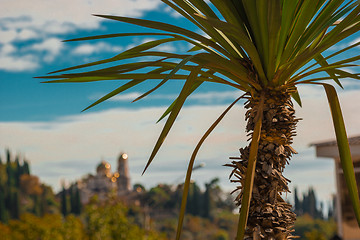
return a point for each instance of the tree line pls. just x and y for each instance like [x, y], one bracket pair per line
[310, 205]
[30, 208]
[20, 191]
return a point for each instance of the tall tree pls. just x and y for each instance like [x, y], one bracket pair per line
[297, 206]
[194, 203]
[26, 168]
[3, 210]
[206, 205]
[64, 205]
[77, 201]
[8, 156]
[264, 49]
[9, 170]
[17, 171]
[72, 198]
[15, 203]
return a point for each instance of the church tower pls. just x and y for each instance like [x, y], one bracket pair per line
[123, 181]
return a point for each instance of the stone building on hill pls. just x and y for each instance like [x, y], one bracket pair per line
[106, 182]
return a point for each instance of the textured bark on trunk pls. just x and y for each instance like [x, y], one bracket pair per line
[270, 217]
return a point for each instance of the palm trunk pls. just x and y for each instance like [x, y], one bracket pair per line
[270, 217]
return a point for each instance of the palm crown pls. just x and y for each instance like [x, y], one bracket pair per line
[253, 46]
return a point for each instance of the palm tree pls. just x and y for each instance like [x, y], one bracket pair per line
[264, 49]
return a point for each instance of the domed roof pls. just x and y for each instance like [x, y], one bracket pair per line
[103, 167]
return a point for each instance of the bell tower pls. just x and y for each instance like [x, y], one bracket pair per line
[123, 181]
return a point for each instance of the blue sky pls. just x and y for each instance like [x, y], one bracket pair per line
[43, 121]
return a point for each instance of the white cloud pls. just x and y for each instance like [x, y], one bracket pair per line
[7, 49]
[27, 58]
[215, 97]
[131, 96]
[165, 48]
[13, 35]
[125, 97]
[87, 49]
[59, 16]
[13, 64]
[27, 34]
[22, 20]
[52, 45]
[203, 98]
[7, 36]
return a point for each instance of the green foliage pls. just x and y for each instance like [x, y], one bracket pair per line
[314, 229]
[17, 185]
[220, 235]
[48, 227]
[160, 197]
[109, 220]
[200, 203]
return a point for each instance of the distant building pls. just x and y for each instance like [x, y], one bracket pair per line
[348, 228]
[106, 182]
[123, 175]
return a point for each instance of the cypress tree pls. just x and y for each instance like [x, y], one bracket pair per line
[17, 172]
[189, 204]
[64, 208]
[312, 203]
[72, 199]
[26, 168]
[196, 200]
[206, 202]
[3, 211]
[77, 201]
[297, 204]
[331, 209]
[305, 203]
[15, 204]
[321, 211]
[8, 156]
[9, 170]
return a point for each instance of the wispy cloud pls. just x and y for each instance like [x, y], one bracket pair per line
[29, 57]
[215, 97]
[37, 25]
[60, 16]
[51, 47]
[199, 98]
[100, 47]
[16, 64]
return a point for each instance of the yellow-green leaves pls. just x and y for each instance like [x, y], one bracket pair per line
[344, 149]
